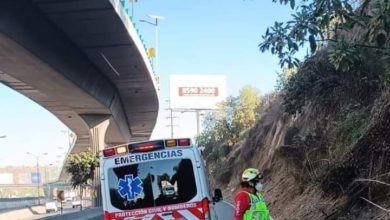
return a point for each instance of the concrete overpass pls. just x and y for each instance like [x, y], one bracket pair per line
[84, 61]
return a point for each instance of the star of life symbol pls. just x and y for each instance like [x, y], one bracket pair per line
[130, 187]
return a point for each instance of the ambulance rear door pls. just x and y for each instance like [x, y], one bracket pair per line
[163, 183]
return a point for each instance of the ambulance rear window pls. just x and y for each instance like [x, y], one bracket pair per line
[150, 184]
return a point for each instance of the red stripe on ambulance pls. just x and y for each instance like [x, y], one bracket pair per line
[196, 212]
[183, 211]
[157, 217]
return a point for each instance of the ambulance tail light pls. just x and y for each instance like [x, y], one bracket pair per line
[145, 147]
[109, 152]
[183, 142]
[170, 143]
[121, 149]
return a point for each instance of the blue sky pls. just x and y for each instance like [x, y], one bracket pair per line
[29, 128]
[197, 37]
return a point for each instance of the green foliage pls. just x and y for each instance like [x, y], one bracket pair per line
[291, 2]
[319, 82]
[344, 55]
[351, 128]
[314, 82]
[219, 127]
[245, 113]
[82, 167]
[320, 22]
[284, 77]
[294, 96]
[226, 126]
[354, 59]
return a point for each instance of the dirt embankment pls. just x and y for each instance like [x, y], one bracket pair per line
[302, 178]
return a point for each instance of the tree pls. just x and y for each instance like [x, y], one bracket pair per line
[246, 113]
[284, 77]
[227, 125]
[330, 23]
[220, 127]
[82, 169]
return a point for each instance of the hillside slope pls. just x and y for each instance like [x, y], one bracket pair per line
[306, 175]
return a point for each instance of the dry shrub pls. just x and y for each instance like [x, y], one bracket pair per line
[263, 130]
[369, 158]
[225, 173]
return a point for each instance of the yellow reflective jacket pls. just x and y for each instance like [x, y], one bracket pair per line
[258, 209]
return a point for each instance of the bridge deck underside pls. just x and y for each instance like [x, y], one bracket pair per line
[96, 28]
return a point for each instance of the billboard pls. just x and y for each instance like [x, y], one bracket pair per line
[35, 178]
[197, 91]
[6, 178]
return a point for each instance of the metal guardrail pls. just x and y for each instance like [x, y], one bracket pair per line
[16, 203]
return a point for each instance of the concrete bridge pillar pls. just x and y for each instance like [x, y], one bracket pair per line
[98, 125]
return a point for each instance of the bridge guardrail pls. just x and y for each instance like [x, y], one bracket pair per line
[16, 203]
[125, 6]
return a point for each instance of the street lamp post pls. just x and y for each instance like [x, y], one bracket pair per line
[156, 18]
[38, 176]
[47, 181]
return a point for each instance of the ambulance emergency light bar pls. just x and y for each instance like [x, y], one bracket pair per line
[146, 146]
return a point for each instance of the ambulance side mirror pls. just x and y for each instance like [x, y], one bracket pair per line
[217, 195]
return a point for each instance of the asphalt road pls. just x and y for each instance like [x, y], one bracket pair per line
[225, 211]
[66, 210]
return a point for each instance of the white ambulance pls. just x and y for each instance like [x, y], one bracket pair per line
[156, 180]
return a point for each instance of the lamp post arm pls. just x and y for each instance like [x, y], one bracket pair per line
[154, 24]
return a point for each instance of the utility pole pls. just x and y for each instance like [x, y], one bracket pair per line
[170, 117]
[198, 123]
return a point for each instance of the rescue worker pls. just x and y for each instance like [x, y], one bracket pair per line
[249, 202]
